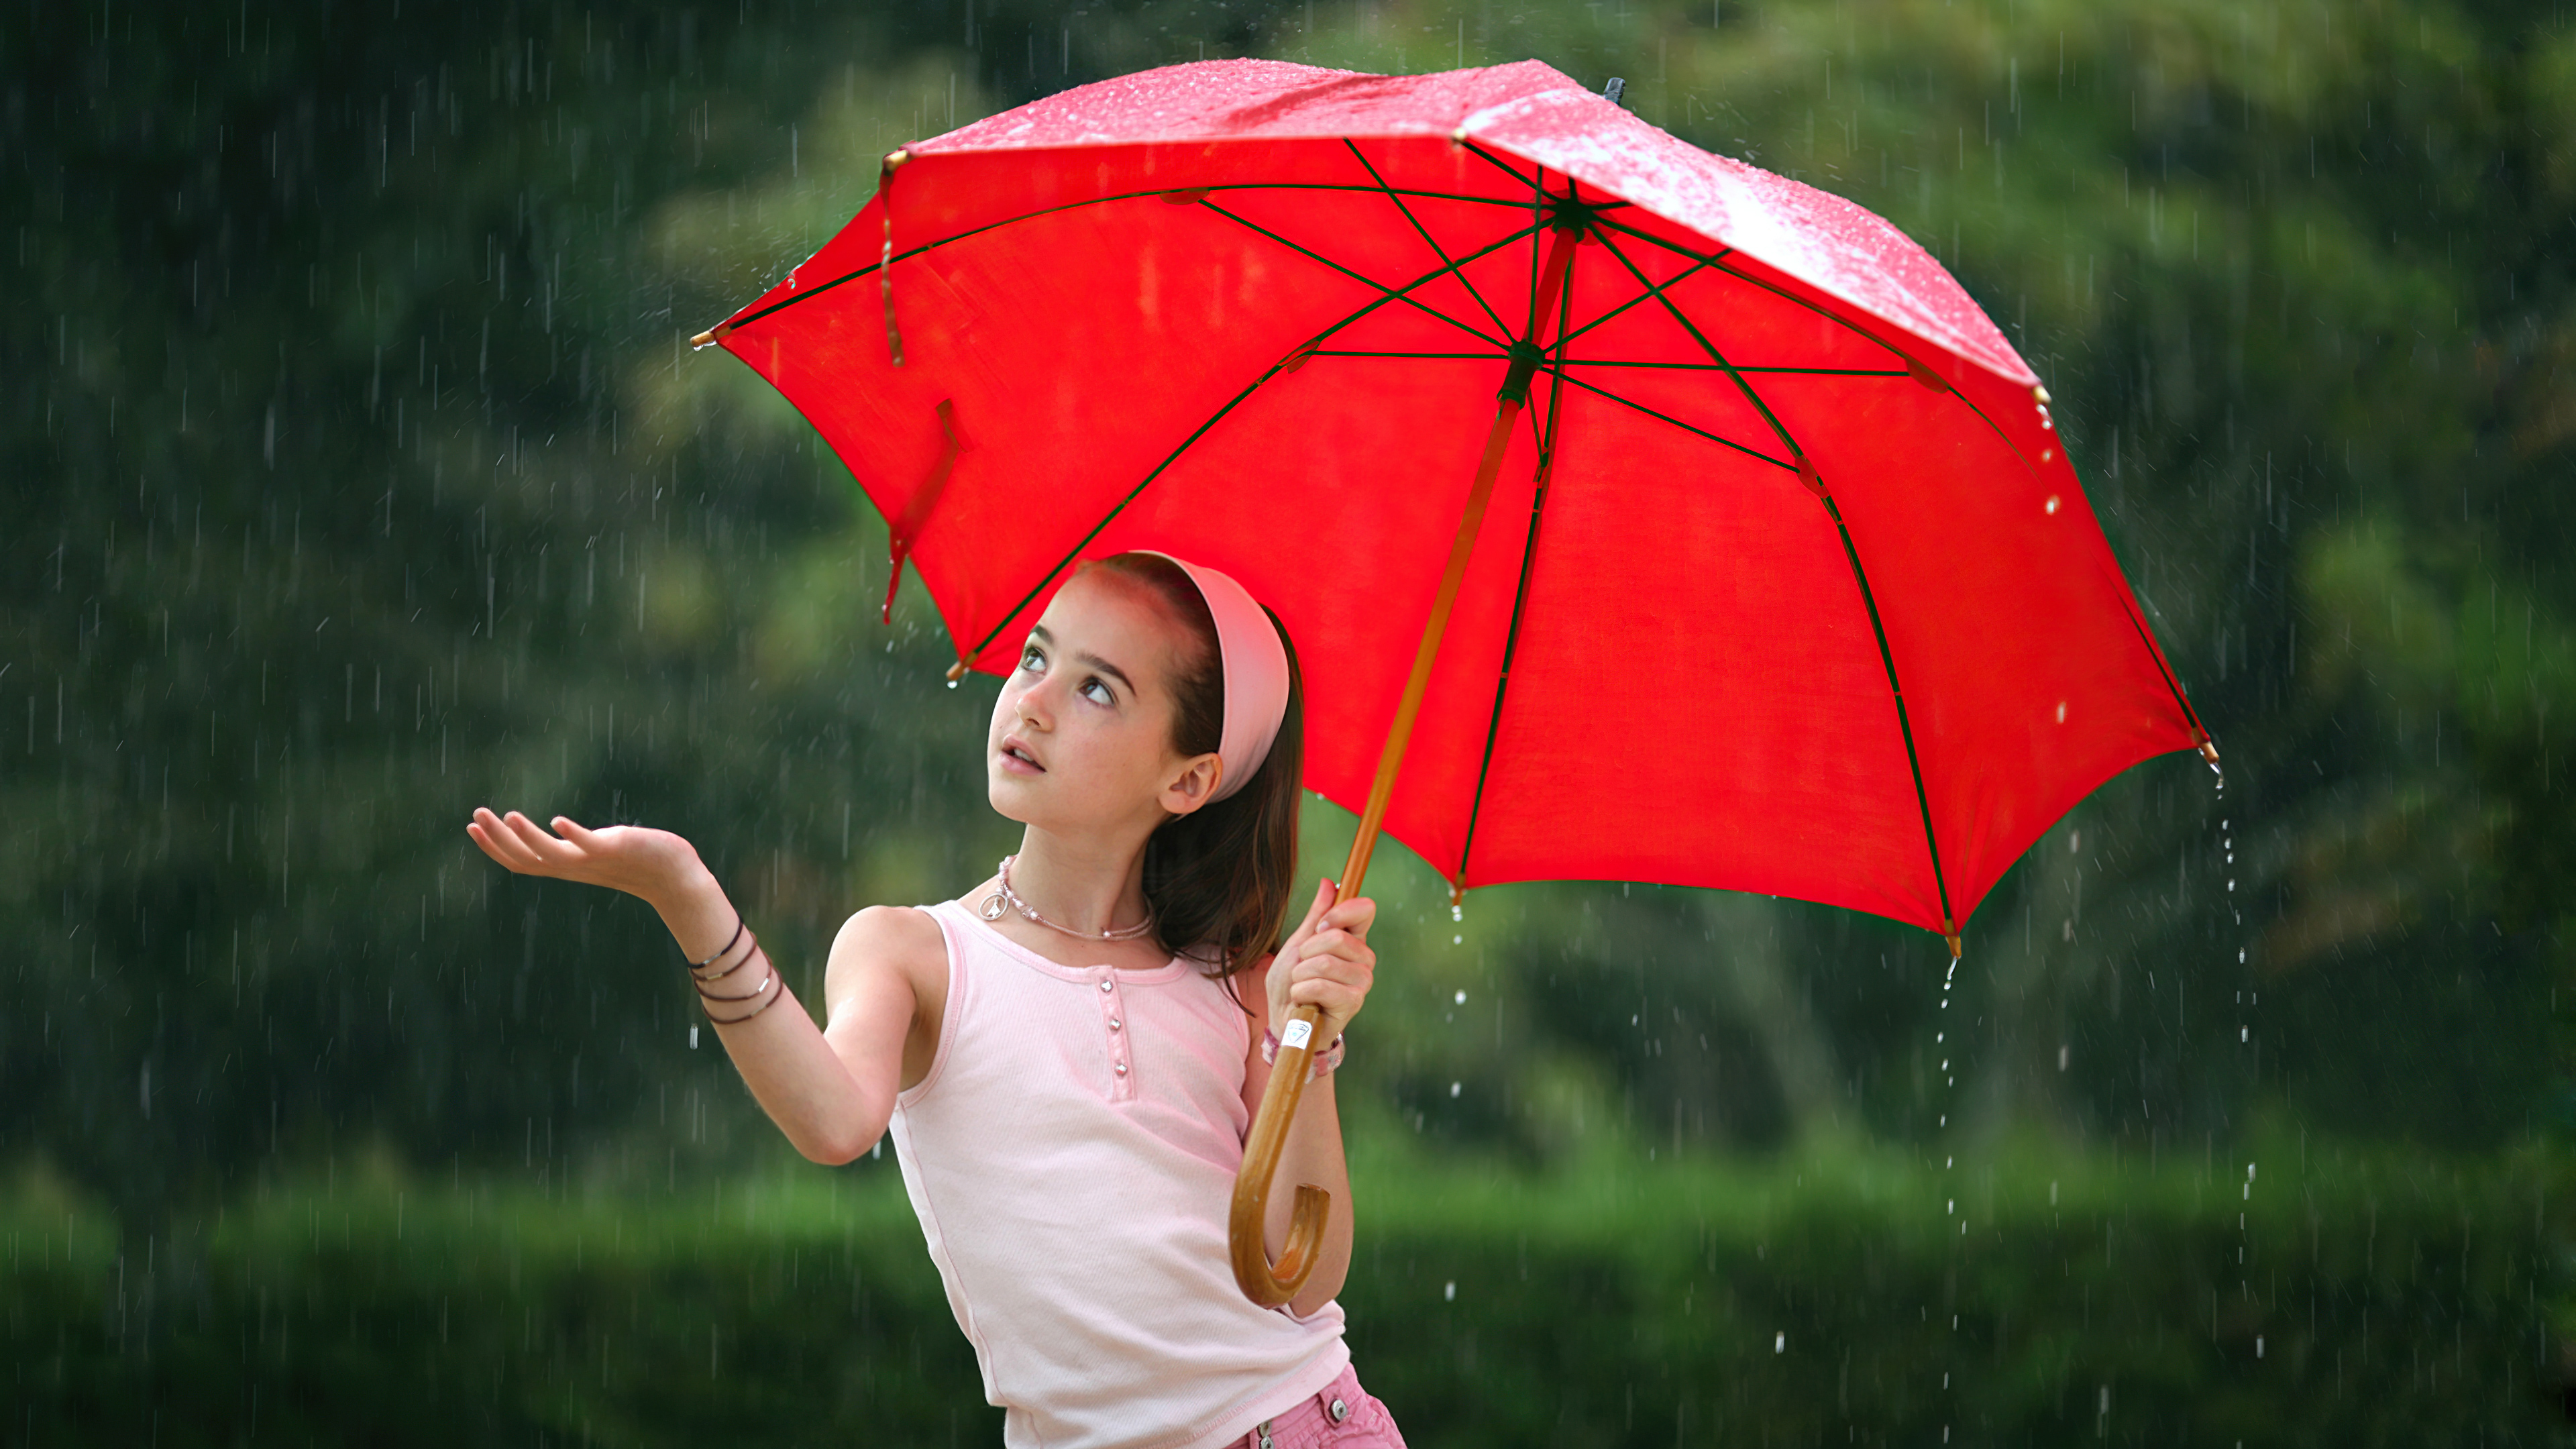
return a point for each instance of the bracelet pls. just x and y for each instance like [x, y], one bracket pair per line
[771, 1000]
[696, 973]
[706, 995]
[739, 926]
[1321, 1063]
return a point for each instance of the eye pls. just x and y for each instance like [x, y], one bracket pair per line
[1097, 690]
[1031, 660]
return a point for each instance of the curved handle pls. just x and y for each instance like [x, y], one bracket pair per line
[1262, 1281]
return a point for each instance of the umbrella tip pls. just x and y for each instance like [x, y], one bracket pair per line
[1953, 938]
[1613, 91]
[956, 672]
[709, 337]
[896, 157]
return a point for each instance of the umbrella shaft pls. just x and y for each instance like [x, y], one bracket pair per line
[1262, 1280]
[1391, 756]
[1498, 436]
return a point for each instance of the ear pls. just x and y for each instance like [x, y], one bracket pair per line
[1194, 786]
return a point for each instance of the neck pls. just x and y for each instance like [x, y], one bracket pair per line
[1088, 885]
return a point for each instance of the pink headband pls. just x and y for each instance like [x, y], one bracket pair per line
[1255, 667]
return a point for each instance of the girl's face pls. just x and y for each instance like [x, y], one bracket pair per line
[1081, 739]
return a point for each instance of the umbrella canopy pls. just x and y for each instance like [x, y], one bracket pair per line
[1785, 583]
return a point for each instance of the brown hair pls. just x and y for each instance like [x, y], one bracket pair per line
[1218, 878]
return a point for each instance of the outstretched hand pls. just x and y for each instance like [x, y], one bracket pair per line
[1326, 963]
[653, 864]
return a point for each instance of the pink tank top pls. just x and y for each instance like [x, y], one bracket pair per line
[1072, 1154]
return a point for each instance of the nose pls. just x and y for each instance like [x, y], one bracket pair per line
[1035, 707]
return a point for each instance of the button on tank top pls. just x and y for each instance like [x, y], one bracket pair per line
[1072, 1154]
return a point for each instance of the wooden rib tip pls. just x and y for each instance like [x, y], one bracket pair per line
[896, 157]
[1953, 938]
[957, 671]
[2209, 751]
[709, 337]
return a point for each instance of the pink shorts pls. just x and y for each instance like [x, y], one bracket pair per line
[1341, 1414]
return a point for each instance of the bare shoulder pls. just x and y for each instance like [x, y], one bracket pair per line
[902, 940]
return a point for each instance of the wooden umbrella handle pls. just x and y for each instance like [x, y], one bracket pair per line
[1263, 1281]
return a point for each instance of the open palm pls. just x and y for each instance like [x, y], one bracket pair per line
[635, 859]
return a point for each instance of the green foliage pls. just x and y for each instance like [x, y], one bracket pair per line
[2382, 1301]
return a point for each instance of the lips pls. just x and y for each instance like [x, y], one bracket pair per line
[1017, 752]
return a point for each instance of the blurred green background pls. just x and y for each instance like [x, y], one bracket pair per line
[357, 471]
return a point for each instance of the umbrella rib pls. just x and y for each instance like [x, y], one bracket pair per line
[1391, 294]
[1851, 553]
[1534, 181]
[2157, 656]
[2154, 653]
[1417, 356]
[1684, 322]
[1520, 590]
[871, 268]
[1718, 261]
[1424, 232]
[1614, 312]
[1213, 419]
[1904, 724]
[1696, 431]
[1840, 321]
[1747, 371]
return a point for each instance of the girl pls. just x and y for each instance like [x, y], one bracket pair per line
[1069, 1054]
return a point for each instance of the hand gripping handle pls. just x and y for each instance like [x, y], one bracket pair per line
[1262, 1281]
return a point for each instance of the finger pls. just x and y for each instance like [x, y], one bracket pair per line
[1354, 915]
[1333, 963]
[483, 842]
[1348, 970]
[1335, 942]
[491, 830]
[1322, 943]
[1325, 990]
[1337, 1002]
[528, 849]
[529, 833]
[576, 832]
[1315, 912]
[505, 849]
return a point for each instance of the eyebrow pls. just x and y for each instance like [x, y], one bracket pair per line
[1039, 633]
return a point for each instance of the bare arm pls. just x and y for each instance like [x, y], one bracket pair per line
[1326, 963]
[831, 1090]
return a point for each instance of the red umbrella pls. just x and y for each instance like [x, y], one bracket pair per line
[1728, 542]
